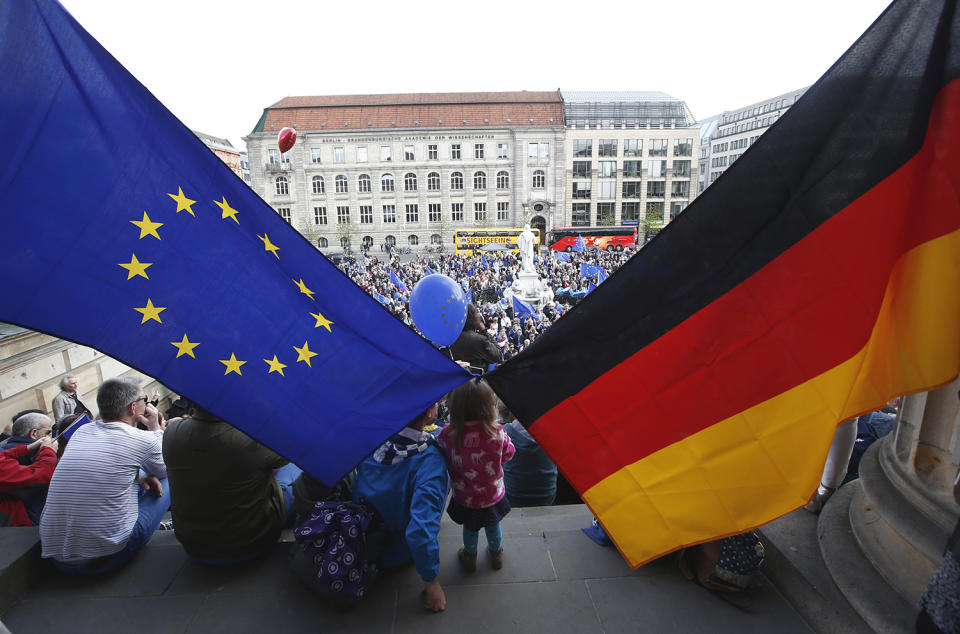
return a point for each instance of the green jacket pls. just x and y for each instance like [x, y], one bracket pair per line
[225, 502]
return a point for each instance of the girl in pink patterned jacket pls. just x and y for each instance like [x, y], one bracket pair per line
[476, 447]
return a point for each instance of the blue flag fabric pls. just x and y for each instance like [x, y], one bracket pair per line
[483, 261]
[396, 281]
[591, 287]
[579, 246]
[590, 270]
[429, 271]
[563, 256]
[123, 232]
[602, 277]
[521, 307]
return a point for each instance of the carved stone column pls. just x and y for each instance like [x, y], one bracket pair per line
[883, 536]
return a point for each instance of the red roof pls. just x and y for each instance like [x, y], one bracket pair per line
[427, 110]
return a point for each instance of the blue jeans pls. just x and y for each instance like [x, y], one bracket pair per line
[285, 476]
[150, 510]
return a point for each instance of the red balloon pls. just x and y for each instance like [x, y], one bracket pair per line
[286, 139]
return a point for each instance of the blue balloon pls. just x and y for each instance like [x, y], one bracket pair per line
[438, 308]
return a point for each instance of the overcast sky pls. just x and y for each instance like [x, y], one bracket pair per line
[217, 64]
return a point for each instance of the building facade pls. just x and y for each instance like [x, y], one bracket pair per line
[631, 159]
[727, 136]
[224, 151]
[408, 170]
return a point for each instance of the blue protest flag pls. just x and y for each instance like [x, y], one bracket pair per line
[591, 287]
[563, 256]
[381, 298]
[579, 246]
[590, 270]
[521, 307]
[158, 255]
[396, 281]
[74, 426]
[602, 276]
[429, 271]
[483, 261]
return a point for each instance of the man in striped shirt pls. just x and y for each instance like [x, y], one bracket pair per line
[109, 491]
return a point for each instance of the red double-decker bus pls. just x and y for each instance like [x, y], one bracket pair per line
[604, 238]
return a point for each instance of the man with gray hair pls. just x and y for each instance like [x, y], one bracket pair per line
[26, 429]
[68, 401]
[100, 510]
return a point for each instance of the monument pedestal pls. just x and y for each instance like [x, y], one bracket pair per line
[529, 287]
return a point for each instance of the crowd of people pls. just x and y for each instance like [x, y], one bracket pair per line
[488, 280]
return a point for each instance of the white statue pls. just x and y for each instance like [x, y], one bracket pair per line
[525, 244]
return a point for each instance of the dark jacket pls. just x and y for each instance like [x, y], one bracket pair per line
[225, 501]
[476, 348]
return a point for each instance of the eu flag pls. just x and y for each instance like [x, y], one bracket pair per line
[579, 246]
[124, 233]
[563, 257]
[396, 281]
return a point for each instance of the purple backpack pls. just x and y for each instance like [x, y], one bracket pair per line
[337, 549]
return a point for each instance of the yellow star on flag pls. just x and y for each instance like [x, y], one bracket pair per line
[321, 321]
[233, 364]
[184, 346]
[147, 227]
[136, 267]
[150, 312]
[269, 246]
[183, 203]
[228, 211]
[303, 288]
[275, 365]
[304, 354]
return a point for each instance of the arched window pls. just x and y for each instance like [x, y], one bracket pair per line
[341, 184]
[433, 181]
[345, 242]
[390, 240]
[386, 183]
[413, 240]
[367, 241]
[410, 182]
[323, 243]
[363, 183]
[480, 180]
[436, 239]
[503, 180]
[317, 184]
[538, 179]
[456, 180]
[282, 189]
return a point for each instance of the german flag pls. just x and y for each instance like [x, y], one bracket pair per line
[694, 394]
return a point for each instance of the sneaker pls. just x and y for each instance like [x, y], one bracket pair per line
[496, 559]
[165, 525]
[469, 561]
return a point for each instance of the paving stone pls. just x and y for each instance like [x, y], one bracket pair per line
[557, 607]
[661, 600]
[82, 613]
[525, 558]
[576, 556]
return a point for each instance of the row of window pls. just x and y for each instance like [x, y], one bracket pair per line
[632, 147]
[274, 156]
[656, 168]
[630, 189]
[367, 241]
[767, 107]
[629, 213]
[411, 213]
[364, 184]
